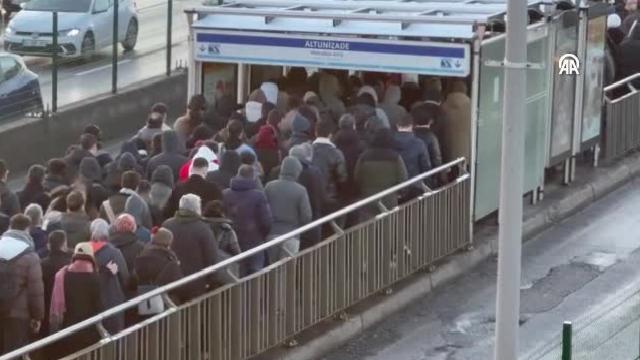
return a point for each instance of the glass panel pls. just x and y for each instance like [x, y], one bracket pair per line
[563, 87]
[490, 124]
[218, 80]
[594, 74]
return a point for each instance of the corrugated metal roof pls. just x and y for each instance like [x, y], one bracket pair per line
[422, 18]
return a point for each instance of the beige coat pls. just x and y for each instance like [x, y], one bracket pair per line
[457, 127]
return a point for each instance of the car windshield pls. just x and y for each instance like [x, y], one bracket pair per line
[79, 6]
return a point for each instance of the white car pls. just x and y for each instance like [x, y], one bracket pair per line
[84, 26]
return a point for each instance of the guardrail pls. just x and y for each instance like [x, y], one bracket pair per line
[622, 127]
[263, 310]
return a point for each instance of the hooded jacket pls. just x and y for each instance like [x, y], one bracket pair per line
[348, 141]
[248, 209]
[141, 212]
[170, 155]
[413, 152]
[300, 128]
[130, 247]
[228, 169]
[330, 160]
[76, 225]
[288, 200]
[34, 193]
[158, 266]
[195, 247]
[380, 167]
[391, 105]
[29, 304]
[268, 148]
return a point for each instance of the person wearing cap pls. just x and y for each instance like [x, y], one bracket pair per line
[76, 297]
[158, 265]
[195, 244]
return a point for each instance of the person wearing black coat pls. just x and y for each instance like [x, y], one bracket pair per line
[58, 257]
[195, 243]
[196, 184]
[229, 165]
[123, 237]
[629, 56]
[33, 191]
[158, 265]
[348, 141]
[171, 155]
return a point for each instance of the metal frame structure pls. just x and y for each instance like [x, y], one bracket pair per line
[462, 240]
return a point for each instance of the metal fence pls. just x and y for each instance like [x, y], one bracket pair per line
[622, 128]
[270, 307]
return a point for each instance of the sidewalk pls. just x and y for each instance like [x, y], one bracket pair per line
[567, 270]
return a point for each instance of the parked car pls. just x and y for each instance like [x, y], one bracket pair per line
[19, 88]
[84, 26]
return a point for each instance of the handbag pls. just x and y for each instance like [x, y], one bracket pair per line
[153, 305]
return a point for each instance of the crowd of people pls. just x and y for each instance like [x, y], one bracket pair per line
[623, 42]
[91, 229]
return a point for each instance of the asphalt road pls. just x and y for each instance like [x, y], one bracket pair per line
[78, 80]
[585, 270]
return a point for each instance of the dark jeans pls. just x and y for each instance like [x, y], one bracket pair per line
[15, 333]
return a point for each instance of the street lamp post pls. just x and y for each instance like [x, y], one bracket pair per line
[511, 183]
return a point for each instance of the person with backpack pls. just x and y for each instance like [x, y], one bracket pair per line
[156, 266]
[21, 286]
[226, 238]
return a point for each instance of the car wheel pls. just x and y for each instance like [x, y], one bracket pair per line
[131, 38]
[88, 47]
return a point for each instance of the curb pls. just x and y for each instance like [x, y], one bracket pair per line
[313, 344]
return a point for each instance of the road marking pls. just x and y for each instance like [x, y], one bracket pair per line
[100, 68]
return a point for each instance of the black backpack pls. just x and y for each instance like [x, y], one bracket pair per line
[9, 287]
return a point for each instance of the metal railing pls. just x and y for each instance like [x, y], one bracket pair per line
[267, 308]
[622, 128]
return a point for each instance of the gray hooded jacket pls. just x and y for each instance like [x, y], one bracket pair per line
[288, 199]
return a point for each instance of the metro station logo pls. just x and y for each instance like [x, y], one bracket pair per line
[569, 65]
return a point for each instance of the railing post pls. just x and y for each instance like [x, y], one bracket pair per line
[114, 56]
[54, 68]
[169, 24]
[566, 340]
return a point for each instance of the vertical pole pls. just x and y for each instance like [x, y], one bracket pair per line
[54, 68]
[114, 56]
[169, 24]
[566, 340]
[511, 183]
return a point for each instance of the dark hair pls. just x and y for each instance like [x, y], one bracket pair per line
[406, 121]
[201, 132]
[36, 174]
[75, 201]
[247, 158]
[197, 102]
[214, 209]
[235, 129]
[425, 114]
[3, 169]
[324, 128]
[200, 163]
[19, 222]
[94, 130]
[56, 167]
[130, 180]
[266, 109]
[88, 141]
[143, 187]
[366, 99]
[159, 108]
[274, 117]
[57, 239]
[308, 112]
[156, 144]
[294, 102]
[154, 121]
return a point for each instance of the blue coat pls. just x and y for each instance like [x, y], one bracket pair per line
[248, 209]
[112, 286]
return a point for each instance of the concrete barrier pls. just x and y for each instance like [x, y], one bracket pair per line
[32, 141]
